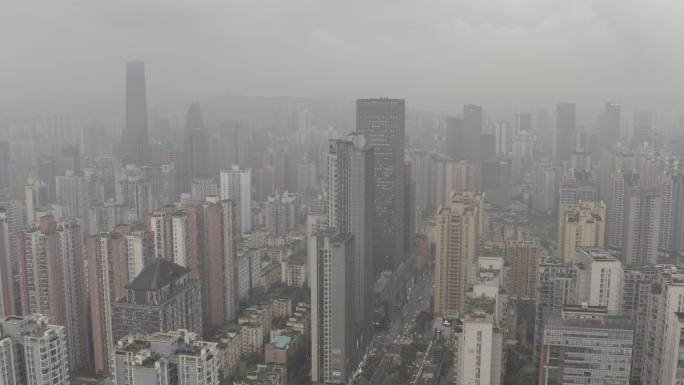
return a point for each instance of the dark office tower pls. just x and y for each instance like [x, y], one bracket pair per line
[194, 119]
[4, 165]
[455, 143]
[134, 136]
[565, 131]
[196, 145]
[496, 181]
[464, 136]
[382, 122]
[644, 128]
[523, 122]
[234, 141]
[136, 96]
[609, 132]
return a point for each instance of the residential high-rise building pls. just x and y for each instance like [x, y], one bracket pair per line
[114, 259]
[663, 329]
[573, 190]
[545, 193]
[162, 297]
[523, 258]
[33, 351]
[7, 297]
[36, 197]
[162, 180]
[636, 289]
[52, 280]
[382, 122]
[219, 234]
[614, 159]
[457, 234]
[76, 193]
[173, 357]
[333, 354]
[582, 225]
[280, 213]
[170, 231]
[236, 184]
[556, 286]
[203, 187]
[350, 210]
[641, 227]
[503, 136]
[609, 133]
[479, 356]
[135, 193]
[617, 203]
[565, 131]
[134, 138]
[670, 185]
[583, 335]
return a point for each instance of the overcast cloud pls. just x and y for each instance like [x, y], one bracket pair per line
[506, 54]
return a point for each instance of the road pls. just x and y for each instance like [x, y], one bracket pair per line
[400, 331]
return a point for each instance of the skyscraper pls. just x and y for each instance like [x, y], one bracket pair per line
[556, 286]
[7, 297]
[565, 131]
[644, 128]
[219, 234]
[382, 122]
[113, 260]
[134, 138]
[236, 184]
[333, 354]
[350, 210]
[617, 202]
[457, 233]
[609, 133]
[52, 280]
[641, 227]
[637, 283]
[170, 231]
[523, 257]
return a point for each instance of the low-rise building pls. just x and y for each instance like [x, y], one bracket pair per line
[266, 375]
[252, 337]
[282, 307]
[177, 357]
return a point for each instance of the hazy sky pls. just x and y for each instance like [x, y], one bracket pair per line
[438, 54]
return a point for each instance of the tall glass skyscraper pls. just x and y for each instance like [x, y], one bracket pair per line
[135, 137]
[382, 122]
